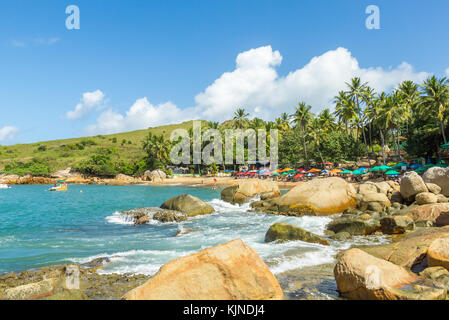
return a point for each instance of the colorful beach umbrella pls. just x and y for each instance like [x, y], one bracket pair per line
[346, 172]
[276, 174]
[299, 175]
[391, 172]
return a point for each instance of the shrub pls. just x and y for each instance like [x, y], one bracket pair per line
[34, 167]
[42, 148]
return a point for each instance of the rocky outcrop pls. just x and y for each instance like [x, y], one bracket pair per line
[231, 271]
[429, 212]
[286, 232]
[410, 250]
[361, 276]
[144, 215]
[438, 253]
[355, 226]
[425, 198]
[250, 188]
[317, 197]
[373, 201]
[411, 185]
[189, 205]
[155, 175]
[440, 177]
[396, 224]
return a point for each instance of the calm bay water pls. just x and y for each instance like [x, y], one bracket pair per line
[39, 228]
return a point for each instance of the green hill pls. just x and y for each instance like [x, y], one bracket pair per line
[60, 154]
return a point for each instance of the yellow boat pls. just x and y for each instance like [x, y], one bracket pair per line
[62, 186]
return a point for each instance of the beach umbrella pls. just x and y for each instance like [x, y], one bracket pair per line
[346, 172]
[375, 169]
[384, 168]
[416, 165]
[336, 171]
[324, 173]
[391, 172]
[444, 146]
[287, 169]
[266, 173]
[299, 175]
[284, 174]
[358, 172]
[276, 174]
[310, 175]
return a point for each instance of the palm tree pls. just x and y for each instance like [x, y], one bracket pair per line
[357, 91]
[316, 128]
[344, 109]
[156, 147]
[240, 118]
[257, 123]
[327, 120]
[435, 100]
[302, 118]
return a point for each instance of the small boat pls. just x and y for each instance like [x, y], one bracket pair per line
[4, 186]
[61, 186]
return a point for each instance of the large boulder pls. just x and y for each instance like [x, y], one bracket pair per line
[440, 177]
[189, 205]
[231, 271]
[367, 188]
[31, 291]
[411, 185]
[365, 201]
[438, 253]
[442, 220]
[426, 198]
[410, 250]
[250, 188]
[361, 276]
[318, 197]
[286, 232]
[354, 226]
[155, 175]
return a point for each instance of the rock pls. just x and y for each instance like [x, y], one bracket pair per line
[62, 174]
[354, 226]
[169, 216]
[286, 232]
[367, 188]
[31, 291]
[189, 205]
[438, 274]
[155, 174]
[317, 197]
[411, 185]
[410, 250]
[183, 231]
[383, 187]
[361, 276]
[250, 188]
[440, 177]
[96, 263]
[423, 224]
[122, 178]
[379, 198]
[438, 253]
[396, 224]
[442, 199]
[396, 197]
[142, 220]
[341, 236]
[442, 220]
[231, 271]
[426, 198]
[435, 189]
[375, 206]
[428, 212]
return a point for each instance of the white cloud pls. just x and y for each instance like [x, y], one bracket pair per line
[89, 101]
[141, 115]
[447, 72]
[255, 85]
[47, 42]
[8, 133]
[18, 44]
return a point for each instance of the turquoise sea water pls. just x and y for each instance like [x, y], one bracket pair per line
[39, 228]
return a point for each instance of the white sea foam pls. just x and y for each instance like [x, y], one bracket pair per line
[119, 218]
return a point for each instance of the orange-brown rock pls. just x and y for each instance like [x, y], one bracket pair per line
[438, 253]
[361, 276]
[247, 189]
[230, 271]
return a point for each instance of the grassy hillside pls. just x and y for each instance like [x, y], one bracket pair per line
[60, 154]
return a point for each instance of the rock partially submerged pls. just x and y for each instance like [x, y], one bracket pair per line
[396, 224]
[361, 276]
[144, 215]
[189, 205]
[231, 271]
[286, 232]
[355, 226]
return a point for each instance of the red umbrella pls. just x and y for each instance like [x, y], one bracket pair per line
[299, 175]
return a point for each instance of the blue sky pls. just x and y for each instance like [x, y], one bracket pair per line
[158, 62]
